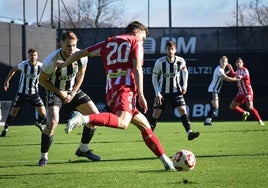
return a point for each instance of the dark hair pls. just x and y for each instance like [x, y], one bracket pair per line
[239, 59]
[136, 25]
[32, 50]
[68, 35]
[170, 44]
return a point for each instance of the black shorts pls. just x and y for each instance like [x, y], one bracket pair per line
[79, 98]
[174, 99]
[20, 99]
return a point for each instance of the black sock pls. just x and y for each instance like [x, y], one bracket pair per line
[46, 142]
[153, 122]
[87, 135]
[212, 112]
[186, 122]
[40, 119]
[8, 120]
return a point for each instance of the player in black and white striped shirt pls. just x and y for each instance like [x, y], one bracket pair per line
[168, 72]
[215, 86]
[63, 87]
[28, 89]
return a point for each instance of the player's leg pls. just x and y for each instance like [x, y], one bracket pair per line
[178, 102]
[14, 110]
[151, 140]
[213, 109]
[155, 115]
[40, 114]
[120, 119]
[48, 133]
[235, 106]
[52, 119]
[87, 107]
[254, 111]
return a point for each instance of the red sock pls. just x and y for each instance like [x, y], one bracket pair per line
[255, 114]
[152, 142]
[104, 119]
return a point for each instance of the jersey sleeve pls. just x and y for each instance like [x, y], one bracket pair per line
[84, 61]
[94, 50]
[48, 66]
[21, 65]
[155, 76]
[221, 72]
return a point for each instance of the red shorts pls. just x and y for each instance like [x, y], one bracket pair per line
[241, 98]
[122, 100]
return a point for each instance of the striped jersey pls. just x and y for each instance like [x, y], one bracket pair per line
[62, 78]
[29, 77]
[167, 75]
[217, 81]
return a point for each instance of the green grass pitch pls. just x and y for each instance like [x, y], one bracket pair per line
[229, 154]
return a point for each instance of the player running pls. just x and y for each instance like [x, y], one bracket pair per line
[245, 92]
[28, 90]
[122, 56]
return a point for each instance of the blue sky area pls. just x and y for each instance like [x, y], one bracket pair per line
[190, 13]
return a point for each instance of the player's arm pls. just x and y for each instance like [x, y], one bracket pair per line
[155, 84]
[230, 70]
[9, 76]
[79, 79]
[90, 51]
[185, 76]
[228, 78]
[138, 74]
[77, 55]
[44, 82]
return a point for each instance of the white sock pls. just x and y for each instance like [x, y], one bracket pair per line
[190, 131]
[208, 120]
[44, 155]
[83, 147]
[166, 161]
[85, 119]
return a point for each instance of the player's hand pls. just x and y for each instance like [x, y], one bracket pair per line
[65, 97]
[229, 66]
[158, 100]
[143, 103]
[239, 77]
[183, 91]
[6, 86]
[60, 63]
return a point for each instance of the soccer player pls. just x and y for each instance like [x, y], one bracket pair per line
[168, 73]
[215, 86]
[122, 56]
[63, 87]
[28, 90]
[245, 92]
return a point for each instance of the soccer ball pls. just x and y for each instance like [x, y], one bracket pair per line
[184, 160]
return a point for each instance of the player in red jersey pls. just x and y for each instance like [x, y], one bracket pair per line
[245, 92]
[122, 56]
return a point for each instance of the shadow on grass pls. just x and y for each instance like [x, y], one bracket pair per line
[235, 131]
[68, 143]
[233, 155]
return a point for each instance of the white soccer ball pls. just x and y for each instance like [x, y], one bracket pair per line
[184, 160]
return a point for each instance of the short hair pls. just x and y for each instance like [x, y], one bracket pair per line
[224, 57]
[136, 25]
[170, 44]
[32, 50]
[68, 35]
[239, 59]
